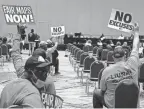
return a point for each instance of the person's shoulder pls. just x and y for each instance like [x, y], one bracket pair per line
[108, 69]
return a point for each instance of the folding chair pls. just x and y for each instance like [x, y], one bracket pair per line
[104, 54]
[95, 68]
[67, 50]
[85, 48]
[1, 56]
[126, 94]
[87, 63]
[90, 48]
[71, 53]
[95, 51]
[82, 57]
[75, 56]
[99, 53]
[5, 51]
[78, 59]
[141, 74]
[110, 59]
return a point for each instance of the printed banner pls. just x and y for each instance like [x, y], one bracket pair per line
[18, 14]
[51, 100]
[121, 21]
[57, 31]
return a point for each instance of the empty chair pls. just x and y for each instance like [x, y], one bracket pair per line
[87, 63]
[95, 51]
[95, 68]
[110, 59]
[99, 53]
[90, 48]
[81, 65]
[104, 54]
[126, 94]
[85, 48]
[78, 59]
[141, 73]
[75, 54]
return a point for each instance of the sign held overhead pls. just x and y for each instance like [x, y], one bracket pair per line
[57, 31]
[18, 14]
[121, 21]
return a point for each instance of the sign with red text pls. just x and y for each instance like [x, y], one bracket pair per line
[18, 14]
[120, 20]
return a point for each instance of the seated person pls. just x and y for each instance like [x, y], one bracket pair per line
[27, 91]
[112, 75]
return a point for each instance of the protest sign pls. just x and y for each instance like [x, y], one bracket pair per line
[51, 100]
[57, 31]
[121, 21]
[18, 14]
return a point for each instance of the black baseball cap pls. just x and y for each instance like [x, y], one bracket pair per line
[36, 62]
[118, 52]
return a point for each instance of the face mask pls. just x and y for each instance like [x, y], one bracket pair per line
[39, 84]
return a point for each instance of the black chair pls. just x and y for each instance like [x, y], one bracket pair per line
[90, 48]
[110, 59]
[104, 54]
[85, 48]
[78, 59]
[87, 63]
[95, 68]
[82, 57]
[95, 51]
[141, 73]
[126, 94]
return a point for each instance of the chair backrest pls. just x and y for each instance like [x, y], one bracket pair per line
[127, 52]
[85, 48]
[87, 63]
[95, 50]
[82, 57]
[141, 73]
[78, 55]
[104, 54]
[90, 48]
[51, 100]
[0, 51]
[74, 48]
[99, 53]
[110, 57]
[99, 77]
[126, 94]
[75, 52]
[4, 49]
[95, 68]
[71, 49]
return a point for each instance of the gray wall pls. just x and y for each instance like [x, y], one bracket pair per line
[86, 16]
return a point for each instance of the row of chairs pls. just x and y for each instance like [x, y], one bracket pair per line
[86, 67]
[80, 60]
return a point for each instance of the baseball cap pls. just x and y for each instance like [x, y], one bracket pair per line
[39, 52]
[36, 61]
[118, 52]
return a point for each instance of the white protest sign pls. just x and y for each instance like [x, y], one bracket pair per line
[57, 31]
[120, 20]
[18, 14]
[51, 100]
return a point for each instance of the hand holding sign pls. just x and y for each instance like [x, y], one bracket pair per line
[136, 27]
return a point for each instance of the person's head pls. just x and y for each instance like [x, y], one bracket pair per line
[39, 52]
[125, 44]
[90, 53]
[4, 40]
[49, 43]
[119, 54]
[118, 43]
[37, 70]
[32, 30]
[43, 45]
[89, 41]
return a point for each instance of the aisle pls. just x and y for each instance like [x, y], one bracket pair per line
[68, 86]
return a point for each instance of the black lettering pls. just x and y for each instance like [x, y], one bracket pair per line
[127, 18]
[59, 29]
[54, 29]
[119, 16]
[117, 24]
[111, 22]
